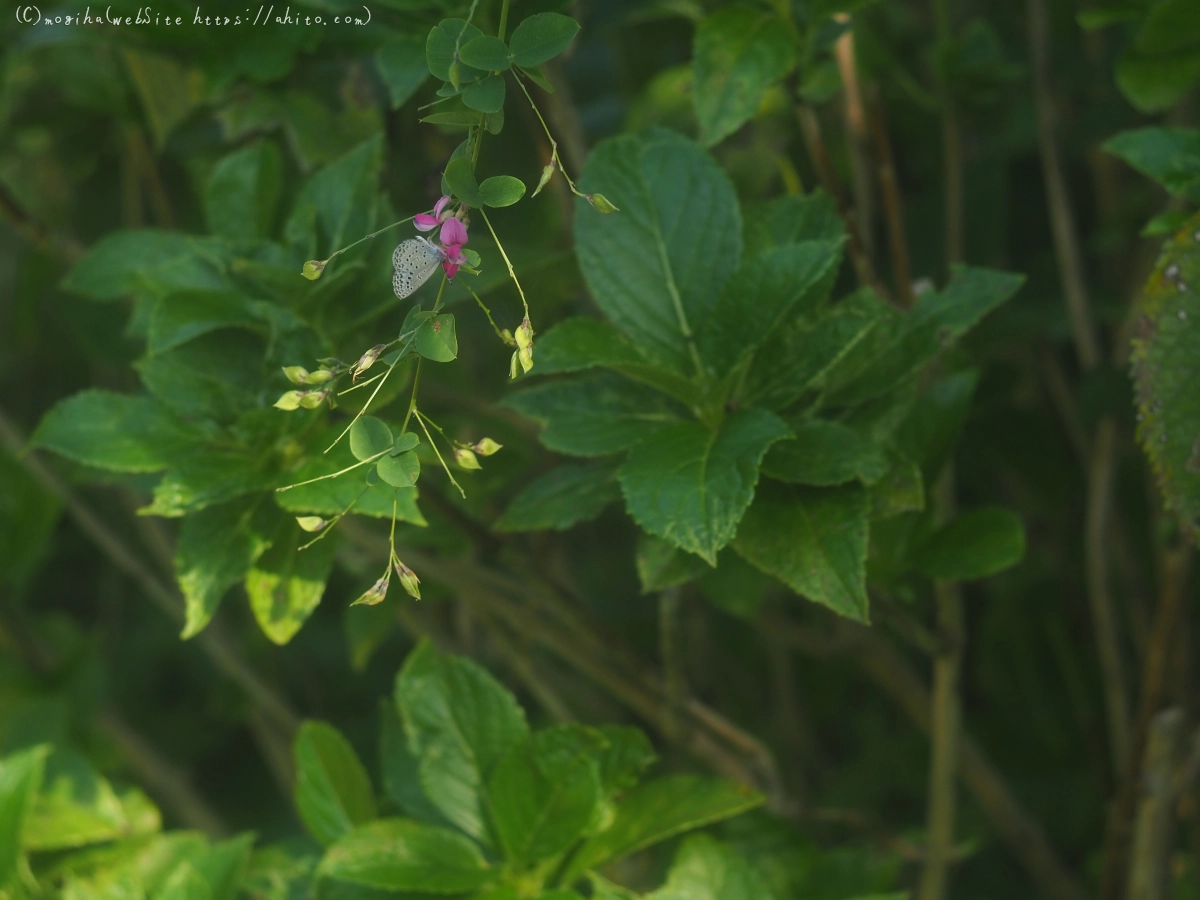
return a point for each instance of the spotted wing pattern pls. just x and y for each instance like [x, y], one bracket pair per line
[414, 261]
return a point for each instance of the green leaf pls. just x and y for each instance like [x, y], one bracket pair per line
[593, 416]
[690, 485]
[340, 199]
[1163, 62]
[900, 490]
[739, 53]
[182, 316]
[74, 807]
[440, 48]
[405, 441]
[974, 545]
[185, 883]
[224, 865]
[662, 565]
[562, 498]
[501, 190]
[791, 219]
[788, 282]
[814, 541]
[403, 855]
[796, 360]
[400, 471]
[285, 586]
[657, 810]
[20, 775]
[147, 264]
[541, 37]
[460, 721]
[486, 95]
[369, 437]
[627, 754]
[1166, 380]
[118, 432]
[705, 869]
[1171, 156]
[578, 343]
[897, 349]
[538, 77]
[333, 792]
[545, 792]
[487, 53]
[825, 453]
[401, 770]
[460, 179]
[661, 260]
[168, 90]
[930, 431]
[242, 194]
[217, 546]
[215, 376]
[435, 338]
[402, 67]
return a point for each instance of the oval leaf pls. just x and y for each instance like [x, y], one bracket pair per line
[440, 46]
[501, 190]
[369, 437]
[435, 339]
[486, 95]
[333, 792]
[487, 53]
[460, 179]
[403, 855]
[400, 471]
[974, 545]
[541, 37]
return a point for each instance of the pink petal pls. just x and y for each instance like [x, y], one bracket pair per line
[453, 232]
[451, 269]
[425, 222]
[454, 254]
[441, 204]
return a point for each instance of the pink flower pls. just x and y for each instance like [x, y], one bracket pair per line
[426, 222]
[454, 257]
[453, 232]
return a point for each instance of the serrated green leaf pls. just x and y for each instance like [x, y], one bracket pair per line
[436, 340]
[676, 240]
[333, 793]
[401, 470]
[563, 497]
[624, 758]
[487, 53]
[460, 721]
[973, 545]
[20, 776]
[74, 806]
[657, 810]
[501, 190]
[545, 792]
[485, 95]
[402, 65]
[690, 484]
[286, 584]
[215, 376]
[1171, 156]
[541, 37]
[814, 541]
[739, 53]
[242, 194]
[148, 264]
[403, 855]
[705, 869]
[401, 769]
[791, 219]
[825, 453]
[594, 416]
[181, 316]
[660, 564]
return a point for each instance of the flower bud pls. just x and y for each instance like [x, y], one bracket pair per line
[313, 268]
[318, 377]
[367, 360]
[375, 593]
[547, 174]
[311, 523]
[466, 458]
[408, 579]
[290, 400]
[486, 447]
[295, 374]
[312, 399]
[507, 337]
[600, 203]
[514, 368]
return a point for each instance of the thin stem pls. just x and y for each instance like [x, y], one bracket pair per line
[553, 143]
[503, 19]
[856, 125]
[362, 462]
[449, 474]
[358, 415]
[361, 384]
[412, 402]
[893, 206]
[329, 527]
[487, 312]
[373, 234]
[512, 274]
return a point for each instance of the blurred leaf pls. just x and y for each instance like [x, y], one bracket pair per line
[691, 485]
[184, 315]
[661, 564]
[286, 584]
[402, 855]
[333, 792]
[28, 513]
[676, 240]
[790, 220]
[401, 770]
[401, 65]
[541, 37]
[147, 264]
[657, 810]
[242, 194]
[563, 497]
[930, 431]
[75, 806]
[825, 453]
[20, 775]
[739, 53]
[707, 870]
[168, 91]
[340, 199]
[460, 721]
[974, 545]
[814, 541]
[214, 376]
[119, 432]
[1171, 156]
[622, 760]
[545, 792]
[593, 416]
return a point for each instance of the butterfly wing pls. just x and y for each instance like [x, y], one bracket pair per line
[413, 262]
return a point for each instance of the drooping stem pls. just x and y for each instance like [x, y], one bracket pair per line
[412, 402]
[373, 234]
[361, 462]
[487, 312]
[511, 273]
[437, 453]
[553, 143]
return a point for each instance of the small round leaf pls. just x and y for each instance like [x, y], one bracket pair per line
[400, 471]
[369, 437]
[501, 190]
[486, 95]
[541, 37]
[487, 53]
[436, 340]
[460, 178]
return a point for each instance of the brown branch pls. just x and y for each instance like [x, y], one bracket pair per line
[1153, 829]
[893, 205]
[856, 128]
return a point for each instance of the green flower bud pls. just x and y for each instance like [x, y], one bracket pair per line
[311, 523]
[486, 447]
[375, 593]
[507, 337]
[408, 579]
[466, 459]
[367, 360]
[318, 377]
[601, 204]
[547, 174]
[312, 399]
[295, 374]
[313, 268]
[290, 400]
